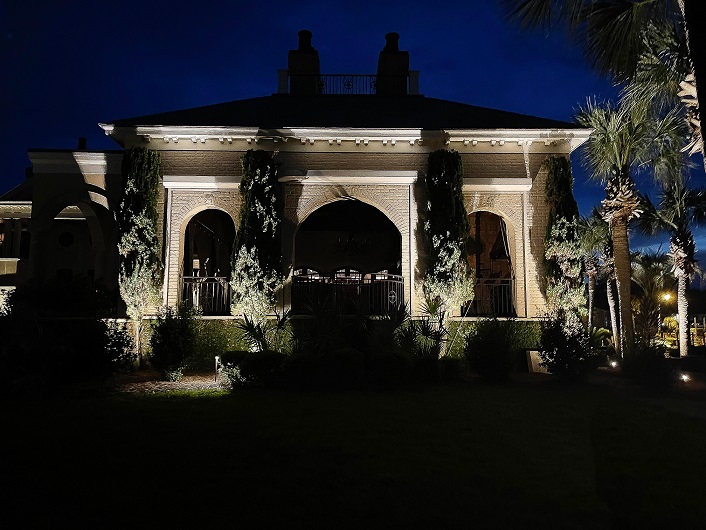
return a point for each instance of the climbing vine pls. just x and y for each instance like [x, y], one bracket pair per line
[257, 253]
[448, 279]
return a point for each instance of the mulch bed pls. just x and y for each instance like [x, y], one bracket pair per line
[149, 381]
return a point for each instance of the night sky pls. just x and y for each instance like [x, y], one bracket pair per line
[68, 65]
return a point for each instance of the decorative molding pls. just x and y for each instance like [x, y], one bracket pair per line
[573, 137]
[201, 182]
[75, 162]
[358, 176]
[507, 206]
[497, 184]
[18, 209]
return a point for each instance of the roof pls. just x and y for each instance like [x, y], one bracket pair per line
[21, 192]
[280, 111]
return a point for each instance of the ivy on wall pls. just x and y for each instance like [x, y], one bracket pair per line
[562, 258]
[140, 257]
[448, 279]
[257, 253]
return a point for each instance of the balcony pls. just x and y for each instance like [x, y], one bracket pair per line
[370, 294]
[208, 294]
[493, 298]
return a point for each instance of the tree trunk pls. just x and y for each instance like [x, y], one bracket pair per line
[621, 254]
[683, 310]
[694, 12]
[613, 316]
[591, 291]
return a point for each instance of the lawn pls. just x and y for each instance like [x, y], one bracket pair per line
[520, 455]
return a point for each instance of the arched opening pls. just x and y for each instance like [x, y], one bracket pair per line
[208, 243]
[489, 254]
[73, 254]
[349, 254]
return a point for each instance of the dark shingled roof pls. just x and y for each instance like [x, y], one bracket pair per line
[281, 111]
[21, 192]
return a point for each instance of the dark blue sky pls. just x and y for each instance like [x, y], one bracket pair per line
[68, 65]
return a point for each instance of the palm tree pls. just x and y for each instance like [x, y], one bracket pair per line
[649, 271]
[595, 245]
[677, 210]
[626, 139]
[645, 42]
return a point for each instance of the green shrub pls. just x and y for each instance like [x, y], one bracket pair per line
[252, 368]
[565, 349]
[120, 347]
[172, 342]
[492, 349]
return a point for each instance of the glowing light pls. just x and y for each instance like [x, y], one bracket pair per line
[667, 297]
[685, 378]
[613, 364]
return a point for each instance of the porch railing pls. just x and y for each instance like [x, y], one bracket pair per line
[371, 294]
[209, 294]
[493, 297]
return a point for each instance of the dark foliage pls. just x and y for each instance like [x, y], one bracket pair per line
[492, 349]
[649, 367]
[173, 341]
[79, 297]
[344, 367]
[261, 204]
[562, 205]
[41, 354]
[567, 353]
[446, 216]
[443, 186]
[141, 170]
[245, 368]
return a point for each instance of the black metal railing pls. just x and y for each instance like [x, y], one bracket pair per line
[348, 84]
[208, 294]
[492, 297]
[371, 294]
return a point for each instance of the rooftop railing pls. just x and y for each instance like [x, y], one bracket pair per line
[353, 84]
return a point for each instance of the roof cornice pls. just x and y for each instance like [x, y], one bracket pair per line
[196, 135]
[522, 137]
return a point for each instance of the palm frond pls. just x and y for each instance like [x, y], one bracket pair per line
[612, 39]
[546, 13]
[663, 64]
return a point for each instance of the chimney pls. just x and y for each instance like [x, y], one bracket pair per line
[304, 68]
[82, 142]
[393, 68]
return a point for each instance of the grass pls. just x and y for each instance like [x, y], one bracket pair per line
[442, 457]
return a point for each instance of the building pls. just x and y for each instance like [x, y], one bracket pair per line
[351, 149]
